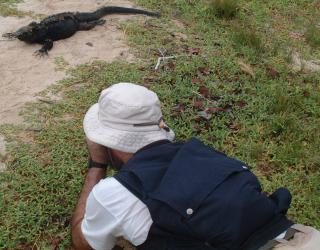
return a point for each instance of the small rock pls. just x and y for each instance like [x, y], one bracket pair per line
[3, 167]
[89, 44]
[34, 129]
[306, 66]
[3, 151]
[205, 115]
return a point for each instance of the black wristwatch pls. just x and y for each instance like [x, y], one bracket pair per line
[93, 164]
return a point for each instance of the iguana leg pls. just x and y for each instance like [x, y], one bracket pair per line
[47, 45]
[91, 25]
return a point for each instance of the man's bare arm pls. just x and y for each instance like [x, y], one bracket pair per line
[98, 154]
[93, 177]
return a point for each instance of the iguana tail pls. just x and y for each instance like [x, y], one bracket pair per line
[87, 17]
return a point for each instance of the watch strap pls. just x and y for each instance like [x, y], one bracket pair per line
[93, 164]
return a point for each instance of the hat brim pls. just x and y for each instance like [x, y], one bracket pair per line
[125, 141]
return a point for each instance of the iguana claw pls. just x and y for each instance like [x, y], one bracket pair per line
[101, 22]
[41, 53]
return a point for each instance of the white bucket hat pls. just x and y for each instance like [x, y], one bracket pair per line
[127, 118]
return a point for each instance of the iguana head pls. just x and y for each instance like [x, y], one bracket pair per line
[26, 33]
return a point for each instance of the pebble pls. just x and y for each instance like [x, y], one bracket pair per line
[3, 167]
[3, 154]
[3, 151]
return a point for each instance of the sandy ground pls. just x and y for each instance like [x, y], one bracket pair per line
[23, 75]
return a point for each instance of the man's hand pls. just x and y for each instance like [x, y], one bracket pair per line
[99, 154]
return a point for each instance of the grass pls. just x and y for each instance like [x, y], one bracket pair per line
[246, 37]
[313, 35]
[271, 120]
[7, 8]
[223, 8]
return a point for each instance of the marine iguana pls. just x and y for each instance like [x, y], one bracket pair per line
[66, 24]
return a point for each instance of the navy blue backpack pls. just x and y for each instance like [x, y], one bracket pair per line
[199, 199]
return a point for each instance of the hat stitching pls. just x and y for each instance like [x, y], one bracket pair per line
[130, 106]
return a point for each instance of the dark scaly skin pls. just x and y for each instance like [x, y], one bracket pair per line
[64, 25]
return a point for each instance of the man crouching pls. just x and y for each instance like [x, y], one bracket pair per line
[169, 195]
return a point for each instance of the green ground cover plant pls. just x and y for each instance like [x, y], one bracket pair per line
[223, 8]
[230, 83]
[313, 35]
[7, 8]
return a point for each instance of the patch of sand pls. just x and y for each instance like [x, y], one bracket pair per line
[49, 7]
[23, 75]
